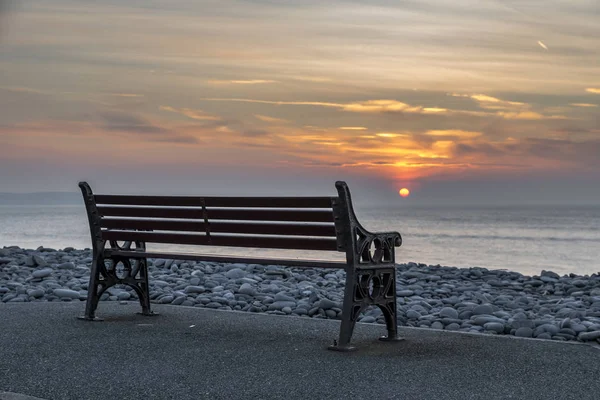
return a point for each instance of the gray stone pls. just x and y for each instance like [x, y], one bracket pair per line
[483, 309]
[66, 265]
[544, 335]
[194, 289]
[39, 261]
[36, 293]
[412, 314]
[247, 289]
[278, 305]
[235, 273]
[124, 296]
[524, 332]
[453, 327]
[66, 294]
[326, 304]
[484, 319]
[368, 320]
[587, 336]
[42, 273]
[179, 300]
[284, 297]
[437, 325]
[494, 326]
[404, 293]
[449, 312]
[166, 299]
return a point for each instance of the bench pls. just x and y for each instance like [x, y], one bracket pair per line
[121, 225]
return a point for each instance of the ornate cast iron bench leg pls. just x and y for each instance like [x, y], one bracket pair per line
[364, 288]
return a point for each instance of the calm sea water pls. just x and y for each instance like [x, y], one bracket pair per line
[524, 239]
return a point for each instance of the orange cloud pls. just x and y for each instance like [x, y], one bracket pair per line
[273, 120]
[241, 82]
[193, 114]
[593, 90]
[353, 128]
[454, 133]
[583, 105]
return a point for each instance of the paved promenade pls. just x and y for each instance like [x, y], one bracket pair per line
[190, 353]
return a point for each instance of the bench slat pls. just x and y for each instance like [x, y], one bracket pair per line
[232, 259]
[194, 201]
[224, 240]
[231, 214]
[220, 227]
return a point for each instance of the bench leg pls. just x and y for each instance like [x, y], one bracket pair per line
[350, 313]
[365, 288]
[94, 292]
[143, 288]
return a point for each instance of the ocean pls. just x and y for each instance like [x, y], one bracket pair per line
[524, 239]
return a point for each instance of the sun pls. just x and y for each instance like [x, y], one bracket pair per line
[404, 192]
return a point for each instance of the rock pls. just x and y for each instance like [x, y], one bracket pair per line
[368, 320]
[404, 293]
[166, 299]
[66, 294]
[247, 289]
[484, 319]
[123, 296]
[284, 297]
[194, 289]
[437, 325]
[524, 332]
[494, 326]
[42, 273]
[235, 273]
[449, 312]
[278, 305]
[39, 261]
[36, 293]
[544, 335]
[483, 309]
[326, 304]
[66, 265]
[178, 300]
[412, 314]
[587, 336]
[453, 327]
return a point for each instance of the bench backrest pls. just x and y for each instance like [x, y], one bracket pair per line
[305, 223]
[295, 223]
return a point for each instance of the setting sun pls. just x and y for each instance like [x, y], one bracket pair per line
[404, 192]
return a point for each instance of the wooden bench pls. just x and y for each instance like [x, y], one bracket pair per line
[301, 223]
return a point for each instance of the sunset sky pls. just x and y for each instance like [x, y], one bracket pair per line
[458, 100]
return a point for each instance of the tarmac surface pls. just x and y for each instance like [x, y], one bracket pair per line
[192, 353]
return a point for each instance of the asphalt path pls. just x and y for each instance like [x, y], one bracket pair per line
[191, 353]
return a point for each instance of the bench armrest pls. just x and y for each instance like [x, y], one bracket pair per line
[369, 249]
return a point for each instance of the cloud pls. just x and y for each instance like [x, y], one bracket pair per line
[453, 133]
[353, 128]
[241, 82]
[593, 90]
[542, 45]
[271, 120]
[379, 106]
[583, 105]
[127, 123]
[125, 94]
[193, 114]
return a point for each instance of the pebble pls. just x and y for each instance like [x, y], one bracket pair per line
[42, 273]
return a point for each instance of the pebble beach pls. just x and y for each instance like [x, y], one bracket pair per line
[495, 302]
